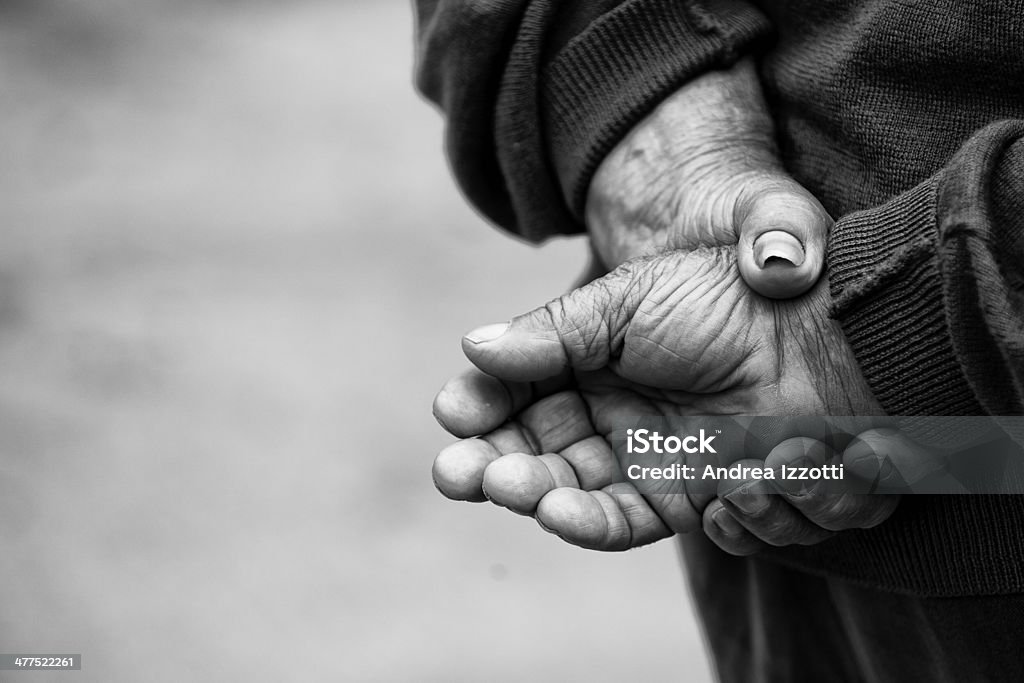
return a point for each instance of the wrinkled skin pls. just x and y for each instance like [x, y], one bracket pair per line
[673, 334]
[702, 170]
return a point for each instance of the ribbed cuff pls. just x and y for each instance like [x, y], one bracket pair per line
[618, 70]
[888, 292]
[980, 225]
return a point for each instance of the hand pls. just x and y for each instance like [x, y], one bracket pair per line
[702, 170]
[749, 515]
[620, 347]
[878, 462]
[541, 455]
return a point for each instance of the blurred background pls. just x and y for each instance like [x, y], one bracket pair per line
[233, 272]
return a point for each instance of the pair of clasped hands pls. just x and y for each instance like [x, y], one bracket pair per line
[717, 306]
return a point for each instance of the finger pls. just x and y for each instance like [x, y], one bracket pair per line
[615, 518]
[842, 510]
[458, 470]
[891, 459]
[561, 424]
[593, 461]
[511, 437]
[768, 516]
[557, 421]
[669, 498]
[518, 481]
[580, 330]
[728, 534]
[782, 233]
[826, 503]
[473, 403]
[676, 509]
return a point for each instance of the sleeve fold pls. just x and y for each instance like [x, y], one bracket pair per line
[928, 290]
[617, 71]
[537, 92]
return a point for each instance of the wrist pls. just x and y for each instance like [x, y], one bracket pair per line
[828, 360]
[680, 171]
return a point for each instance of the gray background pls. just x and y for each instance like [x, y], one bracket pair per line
[233, 272]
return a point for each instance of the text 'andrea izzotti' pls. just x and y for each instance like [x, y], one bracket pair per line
[645, 441]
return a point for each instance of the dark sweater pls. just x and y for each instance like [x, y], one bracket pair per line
[906, 120]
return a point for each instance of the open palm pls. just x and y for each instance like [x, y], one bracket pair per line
[675, 334]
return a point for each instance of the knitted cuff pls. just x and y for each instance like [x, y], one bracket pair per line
[981, 226]
[622, 66]
[887, 290]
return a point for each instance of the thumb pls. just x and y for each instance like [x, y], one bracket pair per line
[582, 330]
[782, 234]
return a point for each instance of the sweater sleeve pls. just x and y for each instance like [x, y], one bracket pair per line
[537, 92]
[929, 287]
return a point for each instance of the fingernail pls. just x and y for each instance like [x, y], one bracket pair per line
[487, 333]
[778, 244]
[724, 520]
[861, 459]
[888, 470]
[748, 502]
[796, 486]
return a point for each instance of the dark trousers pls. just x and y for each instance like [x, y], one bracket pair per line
[766, 622]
